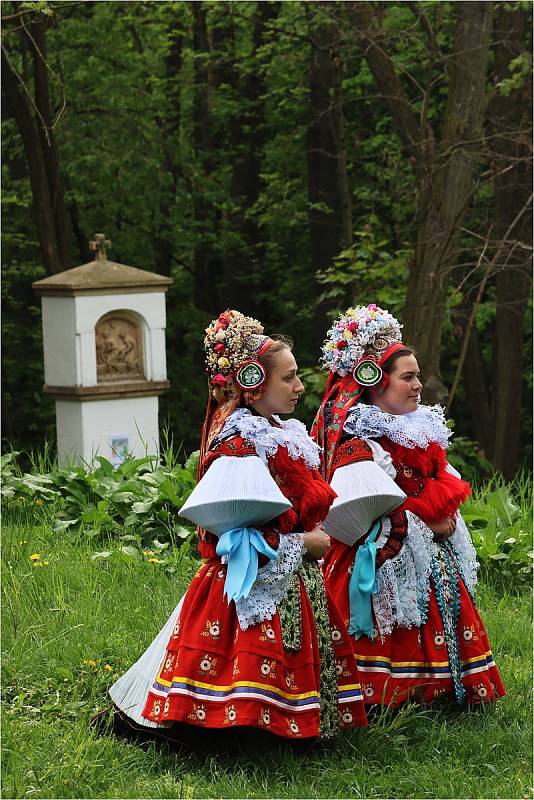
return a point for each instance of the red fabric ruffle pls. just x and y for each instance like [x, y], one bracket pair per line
[309, 493]
[433, 493]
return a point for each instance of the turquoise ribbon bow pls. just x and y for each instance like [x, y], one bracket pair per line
[362, 585]
[242, 546]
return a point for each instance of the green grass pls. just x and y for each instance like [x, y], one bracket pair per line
[74, 610]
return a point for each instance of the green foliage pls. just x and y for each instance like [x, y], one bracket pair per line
[368, 269]
[314, 380]
[138, 500]
[135, 165]
[520, 69]
[134, 507]
[465, 456]
[499, 517]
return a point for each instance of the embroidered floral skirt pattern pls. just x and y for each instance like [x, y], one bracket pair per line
[449, 654]
[290, 675]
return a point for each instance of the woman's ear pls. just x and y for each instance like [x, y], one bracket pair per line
[381, 387]
[253, 395]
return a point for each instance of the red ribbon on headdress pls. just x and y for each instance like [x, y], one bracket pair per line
[344, 392]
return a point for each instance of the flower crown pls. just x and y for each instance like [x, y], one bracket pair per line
[359, 332]
[231, 341]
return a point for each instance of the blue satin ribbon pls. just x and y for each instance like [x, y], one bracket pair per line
[362, 585]
[242, 546]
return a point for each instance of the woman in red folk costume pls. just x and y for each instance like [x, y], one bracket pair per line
[405, 587]
[256, 641]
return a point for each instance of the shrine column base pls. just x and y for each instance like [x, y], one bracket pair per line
[108, 428]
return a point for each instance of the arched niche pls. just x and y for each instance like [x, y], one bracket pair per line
[120, 351]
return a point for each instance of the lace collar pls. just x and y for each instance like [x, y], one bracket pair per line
[267, 439]
[416, 429]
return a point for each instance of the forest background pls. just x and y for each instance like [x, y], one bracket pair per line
[288, 159]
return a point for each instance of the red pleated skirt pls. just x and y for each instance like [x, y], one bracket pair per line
[414, 663]
[217, 675]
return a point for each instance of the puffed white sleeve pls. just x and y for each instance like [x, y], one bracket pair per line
[234, 492]
[382, 458]
[239, 492]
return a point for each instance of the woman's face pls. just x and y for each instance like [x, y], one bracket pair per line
[283, 386]
[403, 391]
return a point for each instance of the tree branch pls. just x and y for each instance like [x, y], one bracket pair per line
[387, 79]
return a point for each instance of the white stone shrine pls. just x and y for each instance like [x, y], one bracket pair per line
[104, 357]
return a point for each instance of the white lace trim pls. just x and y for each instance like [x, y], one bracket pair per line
[272, 582]
[463, 546]
[416, 429]
[403, 581]
[267, 439]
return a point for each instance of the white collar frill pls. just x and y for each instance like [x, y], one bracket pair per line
[267, 438]
[417, 429]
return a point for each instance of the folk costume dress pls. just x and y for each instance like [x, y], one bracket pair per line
[426, 638]
[279, 659]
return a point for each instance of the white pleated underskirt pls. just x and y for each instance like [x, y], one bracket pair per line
[130, 692]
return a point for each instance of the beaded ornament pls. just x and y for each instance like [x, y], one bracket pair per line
[232, 345]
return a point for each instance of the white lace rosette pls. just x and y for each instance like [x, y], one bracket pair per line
[403, 581]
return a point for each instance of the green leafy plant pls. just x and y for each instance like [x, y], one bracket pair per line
[500, 522]
[140, 496]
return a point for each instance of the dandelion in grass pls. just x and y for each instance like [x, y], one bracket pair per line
[89, 662]
[35, 557]
[108, 668]
[154, 561]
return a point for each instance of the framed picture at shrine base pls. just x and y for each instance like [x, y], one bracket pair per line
[120, 448]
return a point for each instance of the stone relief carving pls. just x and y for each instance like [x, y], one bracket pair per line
[118, 350]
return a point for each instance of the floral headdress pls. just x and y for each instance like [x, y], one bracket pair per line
[361, 332]
[232, 344]
[356, 347]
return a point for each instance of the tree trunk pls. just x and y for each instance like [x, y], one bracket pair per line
[509, 124]
[206, 262]
[475, 379]
[44, 218]
[244, 271]
[445, 191]
[35, 129]
[445, 173]
[170, 126]
[330, 207]
[37, 41]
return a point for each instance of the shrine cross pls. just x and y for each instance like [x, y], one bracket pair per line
[98, 246]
